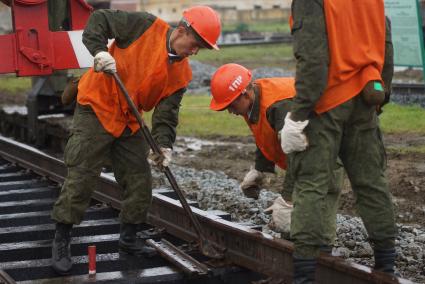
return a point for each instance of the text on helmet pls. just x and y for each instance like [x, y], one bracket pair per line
[236, 83]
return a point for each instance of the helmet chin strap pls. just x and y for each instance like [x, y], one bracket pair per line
[187, 24]
[171, 55]
[169, 46]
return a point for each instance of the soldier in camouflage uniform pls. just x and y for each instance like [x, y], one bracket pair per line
[344, 58]
[151, 59]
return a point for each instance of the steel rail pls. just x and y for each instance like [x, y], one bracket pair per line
[5, 278]
[245, 247]
[409, 88]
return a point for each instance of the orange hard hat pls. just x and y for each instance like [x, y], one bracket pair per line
[206, 23]
[227, 83]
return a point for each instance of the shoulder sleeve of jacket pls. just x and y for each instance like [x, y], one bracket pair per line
[276, 113]
[276, 117]
[310, 45]
[124, 27]
[165, 119]
[262, 164]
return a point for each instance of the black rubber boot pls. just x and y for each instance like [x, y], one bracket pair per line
[61, 249]
[304, 270]
[385, 260]
[130, 244]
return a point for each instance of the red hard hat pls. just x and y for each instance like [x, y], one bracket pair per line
[227, 83]
[206, 22]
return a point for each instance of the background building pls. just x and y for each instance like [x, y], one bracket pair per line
[127, 5]
[230, 11]
[5, 19]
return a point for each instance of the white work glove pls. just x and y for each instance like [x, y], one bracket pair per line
[161, 161]
[104, 62]
[251, 183]
[281, 215]
[292, 138]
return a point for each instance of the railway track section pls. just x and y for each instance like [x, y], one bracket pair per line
[408, 88]
[29, 183]
[408, 94]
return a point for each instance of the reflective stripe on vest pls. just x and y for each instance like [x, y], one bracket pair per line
[272, 91]
[148, 76]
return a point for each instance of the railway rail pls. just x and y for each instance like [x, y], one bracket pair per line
[281, 38]
[408, 88]
[408, 94]
[29, 183]
[27, 192]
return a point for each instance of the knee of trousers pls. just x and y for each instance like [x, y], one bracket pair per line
[137, 197]
[135, 207]
[137, 184]
[74, 197]
[79, 185]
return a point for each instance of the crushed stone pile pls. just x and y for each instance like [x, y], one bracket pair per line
[216, 191]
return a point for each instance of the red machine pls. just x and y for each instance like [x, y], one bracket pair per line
[33, 49]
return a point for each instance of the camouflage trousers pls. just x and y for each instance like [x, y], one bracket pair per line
[88, 149]
[330, 202]
[351, 132]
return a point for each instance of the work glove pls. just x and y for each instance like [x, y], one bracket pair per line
[292, 138]
[281, 215]
[104, 62]
[251, 183]
[161, 160]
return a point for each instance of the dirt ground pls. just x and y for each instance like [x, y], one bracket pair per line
[405, 171]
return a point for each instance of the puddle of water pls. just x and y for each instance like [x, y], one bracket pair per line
[399, 199]
[421, 167]
[47, 116]
[195, 144]
[15, 109]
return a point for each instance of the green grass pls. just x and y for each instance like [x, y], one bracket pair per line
[403, 119]
[272, 55]
[196, 119]
[12, 84]
[407, 150]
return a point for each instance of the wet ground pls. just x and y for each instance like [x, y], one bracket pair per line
[234, 156]
[209, 171]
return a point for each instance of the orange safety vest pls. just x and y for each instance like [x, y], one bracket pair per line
[356, 40]
[271, 91]
[145, 71]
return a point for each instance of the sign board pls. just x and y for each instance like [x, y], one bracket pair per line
[406, 23]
